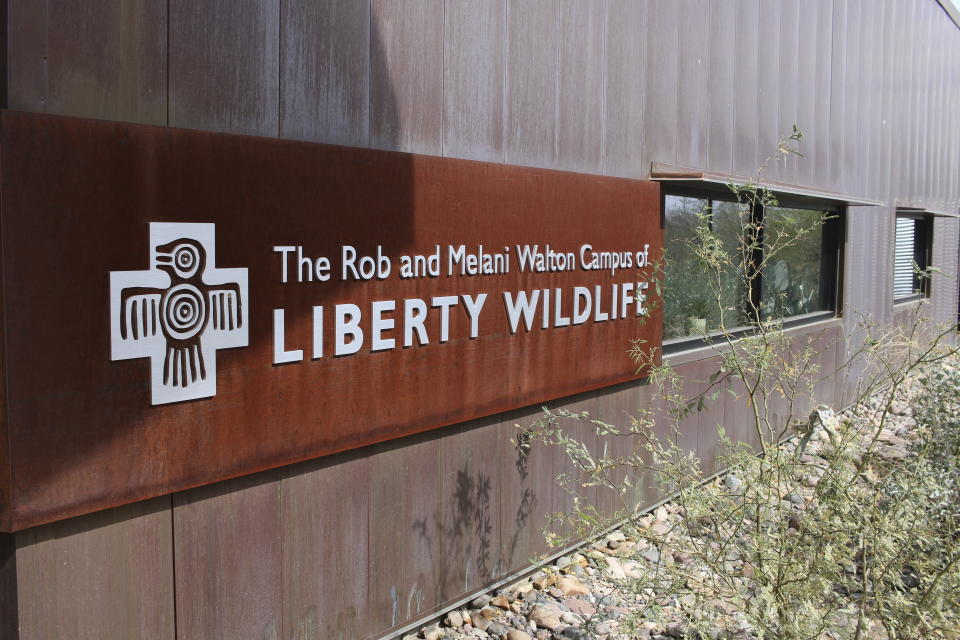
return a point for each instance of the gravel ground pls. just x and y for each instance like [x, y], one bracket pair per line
[583, 594]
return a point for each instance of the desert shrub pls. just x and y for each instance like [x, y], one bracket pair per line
[825, 525]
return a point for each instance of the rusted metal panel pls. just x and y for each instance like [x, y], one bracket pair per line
[674, 425]
[107, 60]
[9, 614]
[711, 415]
[224, 64]
[614, 406]
[474, 38]
[581, 81]
[874, 64]
[903, 14]
[806, 98]
[325, 570]
[769, 53]
[324, 82]
[941, 121]
[661, 99]
[624, 146]
[104, 576]
[226, 545]
[789, 94]
[532, 68]
[6, 479]
[881, 182]
[401, 531]
[822, 49]
[583, 432]
[838, 97]
[738, 414]
[406, 75]
[943, 287]
[693, 97]
[953, 168]
[26, 43]
[720, 86]
[852, 160]
[884, 221]
[745, 47]
[925, 72]
[114, 179]
[526, 493]
[94, 59]
[914, 75]
[619, 406]
[830, 344]
[466, 526]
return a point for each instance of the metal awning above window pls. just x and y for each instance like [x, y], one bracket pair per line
[788, 194]
[919, 212]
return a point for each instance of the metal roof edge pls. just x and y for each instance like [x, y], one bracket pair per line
[936, 212]
[660, 172]
[951, 10]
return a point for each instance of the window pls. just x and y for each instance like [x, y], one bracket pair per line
[911, 254]
[789, 271]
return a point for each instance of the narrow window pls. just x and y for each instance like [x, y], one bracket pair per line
[912, 240]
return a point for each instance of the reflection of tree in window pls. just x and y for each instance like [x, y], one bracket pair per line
[691, 306]
[791, 281]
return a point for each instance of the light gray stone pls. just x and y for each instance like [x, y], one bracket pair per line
[651, 554]
[545, 616]
[480, 601]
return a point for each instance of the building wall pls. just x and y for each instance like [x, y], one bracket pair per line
[357, 544]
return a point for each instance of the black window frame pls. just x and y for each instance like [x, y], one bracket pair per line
[922, 254]
[833, 249]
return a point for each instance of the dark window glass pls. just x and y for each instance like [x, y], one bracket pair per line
[687, 300]
[797, 255]
[793, 273]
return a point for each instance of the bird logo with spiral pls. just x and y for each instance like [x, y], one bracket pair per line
[179, 312]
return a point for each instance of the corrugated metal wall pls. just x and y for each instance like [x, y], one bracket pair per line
[356, 544]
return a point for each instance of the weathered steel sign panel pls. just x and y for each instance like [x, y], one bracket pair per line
[183, 307]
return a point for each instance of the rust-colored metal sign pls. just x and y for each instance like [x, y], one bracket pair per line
[183, 307]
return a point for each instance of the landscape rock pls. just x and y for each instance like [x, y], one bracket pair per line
[545, 616]
[586, 593]
[480, 601]
[480, 621]
[580, 607]
[651, 555]
[570, 586]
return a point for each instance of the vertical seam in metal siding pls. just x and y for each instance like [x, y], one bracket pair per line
[370, 41]
[557, 90]
[605, 78]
